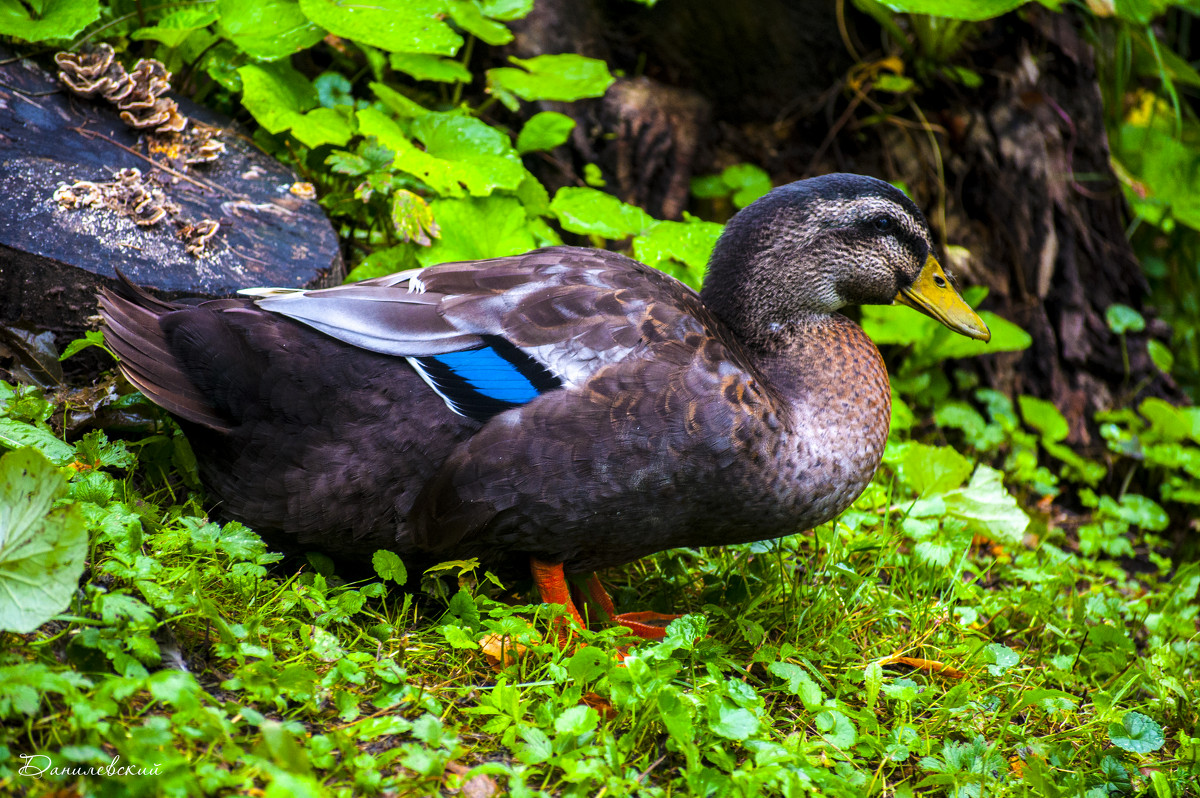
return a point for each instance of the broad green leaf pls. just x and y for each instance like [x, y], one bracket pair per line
[17, 434]
[1143, 512]
[267, 29]
[385, 261]
[987, 508]
[1136, 733]
[405, 26]
[589, 211]
[1002, 658]
[676, 716]
[690, 243]
[1044, 417]
[321, 126]
[506, 10]
[544, 131]
[837, 729]
[733, 723]
[388, 565]
[1170, 423]
[423, 66]
[578, 719]
[458, 637]
[55, 19]
[932, 342]
[461, 154]
[276, 94]
[929, 469]
[747, 181]
[565, 77]
[42, 550]
[1123, 319]
[474, 229]
[173, 28]
[968, 10]
[279, 96]
[468, 15]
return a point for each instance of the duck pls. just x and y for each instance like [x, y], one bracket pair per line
[557, 412]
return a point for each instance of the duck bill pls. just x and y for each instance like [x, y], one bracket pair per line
[932, 294]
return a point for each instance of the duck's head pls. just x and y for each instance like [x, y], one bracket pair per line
[814, 246]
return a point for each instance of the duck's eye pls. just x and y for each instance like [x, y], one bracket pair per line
[939, 281]
[883, 223]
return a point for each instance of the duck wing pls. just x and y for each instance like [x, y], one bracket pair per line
[495, 334]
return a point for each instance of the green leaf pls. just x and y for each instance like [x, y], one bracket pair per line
[388, 565]
[475, 229]
[506, 10]
[689, 243]
[322, 126]
[968, 10]
[55, 19]
[1166, 185]
[267, 29]
[889, 81]
[1044, 417]
[591, 212]
[676, 716]
[423, 66]
[578, 719]
[837, 729]
[461, 155]
[1143, 512]
[1002, 658]
[733, 723]
[413, 218]
[1123, 319]
[468, 15]
[1136, 733]
[1160, 355]
[988, 508]
[458, 637]
[17, 434]
[932, 342]
[276, 94]
[564, 77]
[90, 338]
[747, 181]
[406, 26]
[929, 469]
[172, 29]
[41, 550]
[799, 683]
[544, 131]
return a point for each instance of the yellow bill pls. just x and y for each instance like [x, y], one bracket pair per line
[932, 294]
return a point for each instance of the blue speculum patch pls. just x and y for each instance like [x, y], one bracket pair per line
[491, 375]
[481, 382]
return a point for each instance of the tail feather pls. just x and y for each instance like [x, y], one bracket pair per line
[134, 331]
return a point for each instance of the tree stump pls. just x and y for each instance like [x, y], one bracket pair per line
[54, 258]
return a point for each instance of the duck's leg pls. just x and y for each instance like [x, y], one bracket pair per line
[647, 625]
[552, 586]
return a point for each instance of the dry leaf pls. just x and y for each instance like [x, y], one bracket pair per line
[931, 665]
[481, 786]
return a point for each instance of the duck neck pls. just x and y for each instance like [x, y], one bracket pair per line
[832, 375]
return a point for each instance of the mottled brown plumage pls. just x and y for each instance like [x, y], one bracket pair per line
[568, 405]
